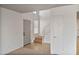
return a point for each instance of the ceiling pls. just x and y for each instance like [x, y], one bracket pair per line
[22, 8]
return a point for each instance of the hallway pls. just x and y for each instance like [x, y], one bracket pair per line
[32, 49]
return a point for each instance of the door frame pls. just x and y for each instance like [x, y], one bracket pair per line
[30, 31]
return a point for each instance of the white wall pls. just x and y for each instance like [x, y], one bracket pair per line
[27, 16]
[69, 28]
[11, 30]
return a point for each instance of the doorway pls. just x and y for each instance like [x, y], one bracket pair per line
[27, 31]
[77, 33]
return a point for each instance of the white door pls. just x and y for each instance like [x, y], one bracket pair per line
[27, 31]
[56, 34]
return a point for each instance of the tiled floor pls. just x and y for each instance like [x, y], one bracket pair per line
[33, 49]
